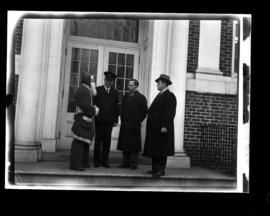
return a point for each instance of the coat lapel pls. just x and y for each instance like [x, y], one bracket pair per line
[157, 98]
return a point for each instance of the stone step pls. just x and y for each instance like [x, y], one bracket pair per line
[58, 174]
[64, 156]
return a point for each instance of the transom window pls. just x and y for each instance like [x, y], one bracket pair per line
[110, 29]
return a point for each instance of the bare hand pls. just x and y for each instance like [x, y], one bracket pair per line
[164, 130]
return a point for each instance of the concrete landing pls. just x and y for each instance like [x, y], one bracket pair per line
[58, 174]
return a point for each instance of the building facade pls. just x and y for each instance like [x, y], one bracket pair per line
[200, 56]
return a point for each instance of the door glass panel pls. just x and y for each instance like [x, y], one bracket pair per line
[82, 60]
[121, 58]
[120, 84]
[129, 72]
[75, 66]
[112, 68]
[121, 71]
[122, 65]
[112, 57]
[130, 60]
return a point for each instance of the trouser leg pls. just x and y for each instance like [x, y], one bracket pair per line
[134, 156]
[106, 145]
[160, 164]
[76, 154]
[126, 159]
[97, 146]
[86, 155]
[154, 169]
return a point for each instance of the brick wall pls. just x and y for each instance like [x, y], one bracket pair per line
[18, 37]
[17, 51]
[206, 108]
[225, 63]
[193, 46]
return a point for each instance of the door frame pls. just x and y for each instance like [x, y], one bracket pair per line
[66, 83]
[142, 72]
[104, 50]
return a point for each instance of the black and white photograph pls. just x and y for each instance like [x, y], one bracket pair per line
[110, 101]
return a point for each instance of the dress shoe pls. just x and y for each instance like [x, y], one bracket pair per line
[123, 166]
[106, 165]
[86, 165]
[150, 172]
[158, 174]
[133, 167]
[79, 169]
[96, 165]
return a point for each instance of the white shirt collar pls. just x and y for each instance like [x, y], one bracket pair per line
[163, 90]
[107, 88]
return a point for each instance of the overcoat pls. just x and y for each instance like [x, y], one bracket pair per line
[161, 113]
[108, 105]
[133, 112]
[83, 126]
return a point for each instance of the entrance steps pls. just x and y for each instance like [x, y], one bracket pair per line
[57, 175]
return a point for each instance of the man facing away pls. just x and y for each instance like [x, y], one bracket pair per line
[159, 141]
[133, 112]
[107, 101]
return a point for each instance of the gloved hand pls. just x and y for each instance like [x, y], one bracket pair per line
[97, 110]
[93, 86]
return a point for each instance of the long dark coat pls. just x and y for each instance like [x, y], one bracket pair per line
[160, 114]
[108, 105]
[133, 112]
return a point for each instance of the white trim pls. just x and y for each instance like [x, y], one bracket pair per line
[233, 74]
[209, 46]
[90, 142]
[206, 83]
[208, 70]
[104, 42]
[17, 64]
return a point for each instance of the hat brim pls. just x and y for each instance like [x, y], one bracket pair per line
[165, 80]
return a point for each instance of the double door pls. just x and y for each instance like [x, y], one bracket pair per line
[94, 59]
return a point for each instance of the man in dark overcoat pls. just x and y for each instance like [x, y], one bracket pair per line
[107, 101]
[133, 112]
[159, 141]
[83, 126]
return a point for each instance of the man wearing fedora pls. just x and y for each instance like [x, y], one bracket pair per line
[159, 141]
[107, 101]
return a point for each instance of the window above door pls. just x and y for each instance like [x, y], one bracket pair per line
[125, 30]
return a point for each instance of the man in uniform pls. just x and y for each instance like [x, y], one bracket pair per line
[83, 128]
[133, 112]
[159, 141]
[107, 101]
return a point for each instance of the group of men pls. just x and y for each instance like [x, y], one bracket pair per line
[98, 113]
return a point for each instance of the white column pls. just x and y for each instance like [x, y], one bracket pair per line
[26, 145]
[209, 46]
[178, 49]
[177, 72]
[55, 40]
[159, 54]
